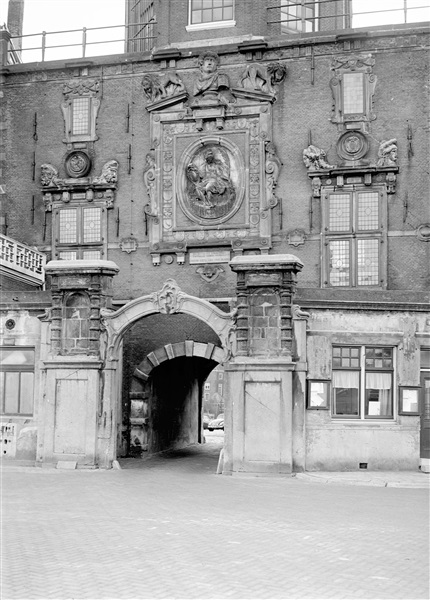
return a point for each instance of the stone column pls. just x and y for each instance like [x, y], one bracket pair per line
[259, 419]
[72, 399]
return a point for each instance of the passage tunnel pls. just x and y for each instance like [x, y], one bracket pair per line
[166, 360]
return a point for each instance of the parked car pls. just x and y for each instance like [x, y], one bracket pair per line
[206, 420]
[217, 423]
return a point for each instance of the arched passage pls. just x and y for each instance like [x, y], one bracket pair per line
[162, 347]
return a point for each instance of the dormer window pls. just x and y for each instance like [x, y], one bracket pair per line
[209, 14]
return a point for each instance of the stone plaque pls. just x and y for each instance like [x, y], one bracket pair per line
[209, 256]
[258, 279]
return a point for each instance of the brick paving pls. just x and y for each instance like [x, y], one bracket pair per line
[171, 528]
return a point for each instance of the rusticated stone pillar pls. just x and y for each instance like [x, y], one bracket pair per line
[74, 416]
[259, 378]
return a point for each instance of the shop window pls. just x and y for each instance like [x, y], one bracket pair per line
[299, 16]
[17, 381]
[78, 233]
[204, 14]
[362, 382]
[354, 238]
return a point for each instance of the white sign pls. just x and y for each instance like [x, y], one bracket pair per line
[209, 256]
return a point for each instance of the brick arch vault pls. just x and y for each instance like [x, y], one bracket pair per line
[169, 300]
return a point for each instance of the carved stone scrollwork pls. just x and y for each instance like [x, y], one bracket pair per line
[80, 87]
[150, 208]
[109, 174]
[387, 153]
[209, 272]
[161, 86]
[315, 159]
[170, 299]
[272, 168]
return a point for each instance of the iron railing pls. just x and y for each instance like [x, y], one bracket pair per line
[40, 51]
[319, 15]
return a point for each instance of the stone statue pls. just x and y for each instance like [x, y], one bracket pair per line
[209, 182]
[49, 176]
[388, 154]
[315, 159]
[159, 86]
[109, 174]
[210, 80]
[263, 78]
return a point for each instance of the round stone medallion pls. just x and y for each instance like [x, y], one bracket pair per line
[352, 145]
[78, 164]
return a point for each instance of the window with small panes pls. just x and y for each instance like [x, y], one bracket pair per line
[354, 235]
[79, 233]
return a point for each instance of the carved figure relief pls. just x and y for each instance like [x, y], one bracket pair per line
[49, 176]
[387, 153]
[315, 159]
[210, 81]
[258, 77]
[109, 174]
[210, 190]
[169, 300]
[352, 145]
[158, 87]
[209, 272]
[77, 164]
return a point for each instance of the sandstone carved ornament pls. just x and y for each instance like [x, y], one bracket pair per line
[161, 86]
[272, 168]
[210, 81]
[49, 176]
[387, 153]
[263, 78]
[109, 174]
[209, 272]
[315, 159]
[150, 207]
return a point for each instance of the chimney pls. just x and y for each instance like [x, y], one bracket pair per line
[15, 19]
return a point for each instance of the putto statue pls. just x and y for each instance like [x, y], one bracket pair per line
[315, 159]
[387, 154]
[109, 173]
[210, 80]
[49, 176]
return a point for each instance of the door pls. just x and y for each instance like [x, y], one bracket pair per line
[425, 416]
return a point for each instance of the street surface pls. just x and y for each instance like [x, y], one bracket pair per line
[169, 527]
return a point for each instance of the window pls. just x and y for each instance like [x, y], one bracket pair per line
[80, 108]
[298, 16]
[16, 380]
[354, 238]
[207, 386]
[367, 13]
[81, 116]
[210, 13]
[79, 233]
[140, 25]
[362, 382]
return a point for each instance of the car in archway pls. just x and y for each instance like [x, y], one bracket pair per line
[217, 423]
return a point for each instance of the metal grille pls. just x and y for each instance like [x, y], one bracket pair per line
[368, 211]
[92, 225]
[208, 11]
[339, 268]
[339, 212]
[353, 98]
[68, 228]
[368, 262]
[80, 116]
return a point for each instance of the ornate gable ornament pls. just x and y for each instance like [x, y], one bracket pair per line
[212, 171]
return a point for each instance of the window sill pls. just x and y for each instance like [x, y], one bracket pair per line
[211, 25]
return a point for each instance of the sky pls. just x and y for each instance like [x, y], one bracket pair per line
[61, 15]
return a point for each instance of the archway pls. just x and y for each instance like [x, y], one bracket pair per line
[153, 421]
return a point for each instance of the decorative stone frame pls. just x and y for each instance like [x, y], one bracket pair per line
[80, 89]
[353, 64]
[245, 130]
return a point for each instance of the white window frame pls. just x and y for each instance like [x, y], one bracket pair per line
[361, 417]
[352, 235]
[211, 24]
[20, 369]
[299, 24]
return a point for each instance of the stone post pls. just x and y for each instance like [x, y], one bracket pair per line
[259, 382]
[4, 46]
[75, 415]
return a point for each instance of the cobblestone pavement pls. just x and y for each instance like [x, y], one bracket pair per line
[171, 528]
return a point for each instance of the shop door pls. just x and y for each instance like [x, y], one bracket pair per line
[425, 416]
